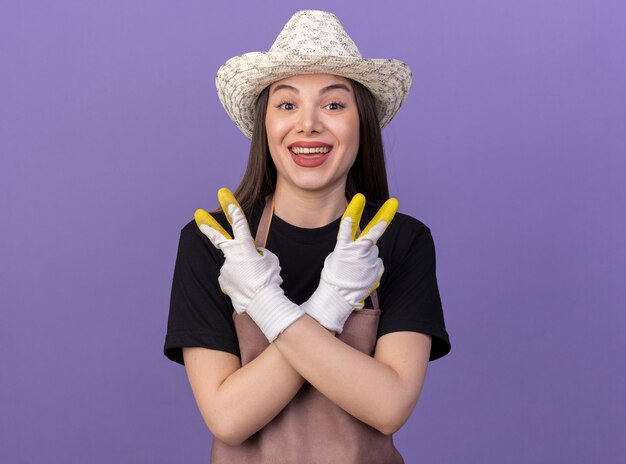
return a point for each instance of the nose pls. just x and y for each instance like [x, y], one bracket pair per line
[309, 121]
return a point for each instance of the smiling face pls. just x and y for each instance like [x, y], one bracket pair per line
[312, 125]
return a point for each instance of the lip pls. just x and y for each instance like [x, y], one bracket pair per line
[313, 160]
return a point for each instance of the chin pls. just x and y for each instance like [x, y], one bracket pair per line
[317, 186]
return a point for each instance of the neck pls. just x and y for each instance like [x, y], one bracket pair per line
[309, 209]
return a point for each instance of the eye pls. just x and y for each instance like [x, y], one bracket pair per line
[286, 106]
[335, 106]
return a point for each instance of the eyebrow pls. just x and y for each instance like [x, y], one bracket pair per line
[328, 88]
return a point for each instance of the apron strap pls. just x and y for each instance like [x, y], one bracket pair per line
[264, 224]
[264, 227]
[374, 299]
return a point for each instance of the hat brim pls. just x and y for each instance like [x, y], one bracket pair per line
[242, 78]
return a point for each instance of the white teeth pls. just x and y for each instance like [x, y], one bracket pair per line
[308, 151]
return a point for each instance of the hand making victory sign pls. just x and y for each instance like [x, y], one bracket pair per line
[251, 278]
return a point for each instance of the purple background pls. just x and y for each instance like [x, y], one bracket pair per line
[511, 147]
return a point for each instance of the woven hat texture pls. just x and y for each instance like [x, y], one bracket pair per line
[311, 42]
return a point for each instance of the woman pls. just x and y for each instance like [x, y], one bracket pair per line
[289, 356]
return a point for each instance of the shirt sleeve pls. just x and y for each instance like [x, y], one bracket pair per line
[409, 294]
[200, 314]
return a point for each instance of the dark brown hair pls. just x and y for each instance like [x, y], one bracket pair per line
[368, 174]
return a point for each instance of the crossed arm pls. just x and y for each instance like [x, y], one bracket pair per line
[237, 401]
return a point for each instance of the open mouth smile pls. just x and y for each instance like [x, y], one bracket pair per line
[310, 154]
[309, 151]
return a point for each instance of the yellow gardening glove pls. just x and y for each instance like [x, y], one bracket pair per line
[383, 216]
[353, 270]
[249, 276]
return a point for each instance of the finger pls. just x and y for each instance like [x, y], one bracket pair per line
[345, 231]
[385, 214]
[217, 239]
[376, 285]
[241, 230]
[226, 198]
[371, 255]
[202, 217]
[234, 213]
[354, 211]
[220, 281]
[373, 234]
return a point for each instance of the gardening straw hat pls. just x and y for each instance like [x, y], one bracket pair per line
[311, 42]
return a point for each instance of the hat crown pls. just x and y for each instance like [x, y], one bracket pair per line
[315, 33]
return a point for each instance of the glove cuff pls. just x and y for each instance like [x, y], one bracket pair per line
[273, 312]
[328, 307]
